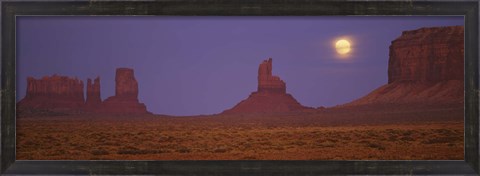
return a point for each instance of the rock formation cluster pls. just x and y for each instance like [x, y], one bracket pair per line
[64, 94]
[425, 66]
[270, 96]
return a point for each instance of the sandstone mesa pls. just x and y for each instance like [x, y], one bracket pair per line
[55, 92]
[425, 66]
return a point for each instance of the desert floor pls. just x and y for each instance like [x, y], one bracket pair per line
[341, 133]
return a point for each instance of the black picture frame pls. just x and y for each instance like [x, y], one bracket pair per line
[11, 9]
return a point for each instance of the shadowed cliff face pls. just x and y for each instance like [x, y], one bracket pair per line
[425, 66]
[271, 96]
[427, 55]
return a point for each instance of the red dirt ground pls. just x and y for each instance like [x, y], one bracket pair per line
[380, 132]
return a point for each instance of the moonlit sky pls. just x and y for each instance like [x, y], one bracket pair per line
[204, 65]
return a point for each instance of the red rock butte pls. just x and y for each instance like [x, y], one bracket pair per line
[64, 94]
[56, 92]
[125, 100]
[270, 97]
[425, 66]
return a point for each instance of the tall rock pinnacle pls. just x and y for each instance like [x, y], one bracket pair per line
[93, 93]
[125, 84]
[270, 97]
[125, 100]
[266, 81]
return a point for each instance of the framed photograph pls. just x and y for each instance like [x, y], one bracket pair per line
[239, 87]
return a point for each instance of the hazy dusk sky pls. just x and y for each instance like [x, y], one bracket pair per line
[204, 65]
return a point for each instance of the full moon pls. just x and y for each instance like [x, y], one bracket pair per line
[342, 46]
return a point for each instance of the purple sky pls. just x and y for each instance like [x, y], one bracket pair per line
[204, 65]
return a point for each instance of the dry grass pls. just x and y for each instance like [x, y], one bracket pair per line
[292, 137]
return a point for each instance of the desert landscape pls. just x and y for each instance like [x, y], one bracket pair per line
[433, 134]
[417, 115]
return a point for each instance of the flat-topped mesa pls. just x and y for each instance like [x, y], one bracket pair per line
[427, 55]
[54, 93]
[270, 97]
[425, 66]
[93, 93]
[266, 81]
[125, 100]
